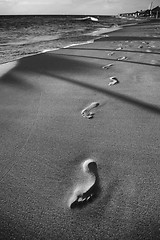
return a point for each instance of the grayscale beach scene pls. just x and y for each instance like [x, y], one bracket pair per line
[79, 120]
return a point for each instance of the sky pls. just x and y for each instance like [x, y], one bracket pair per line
[82, 7]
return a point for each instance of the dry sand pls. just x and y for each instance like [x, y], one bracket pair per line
[45, 139]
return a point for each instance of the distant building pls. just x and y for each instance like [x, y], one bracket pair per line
[126, 14]
[145, 13]
[155, 13]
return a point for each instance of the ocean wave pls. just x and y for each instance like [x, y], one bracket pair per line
[67, 46]
[93, 19]
[46, 33]
[101, 31]
[32, 40]
[18, 57]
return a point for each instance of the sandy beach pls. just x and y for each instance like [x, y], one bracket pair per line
[98, 101]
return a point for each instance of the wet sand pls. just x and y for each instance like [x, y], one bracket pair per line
[45, 140]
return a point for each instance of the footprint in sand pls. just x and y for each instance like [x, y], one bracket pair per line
[86, 111]
[113, 81]
[107, 66]
[111, 53]
[154, 62]
[148, 50]
[122, 58]
[119, 48]
[85, 192]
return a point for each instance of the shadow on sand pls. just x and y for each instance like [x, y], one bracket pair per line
[110, 59]
[114, 50]
[128, 38]
[57, 65]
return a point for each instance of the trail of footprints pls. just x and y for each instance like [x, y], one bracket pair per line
[87, 112]
[114, 80]
[85, 192]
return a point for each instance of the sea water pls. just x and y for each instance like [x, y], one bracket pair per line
[21, 36]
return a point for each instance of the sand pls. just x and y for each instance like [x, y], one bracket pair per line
[45, 139]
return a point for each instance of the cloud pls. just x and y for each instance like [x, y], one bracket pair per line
[85, 1]
[7, 6]
[56, 6]
[97, 2]
[88, 2]
[94, 6]
[70, 6]
[33, 6]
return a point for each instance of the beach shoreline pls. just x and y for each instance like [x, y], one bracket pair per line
[96, 35]
[107, 31]
[96, 103]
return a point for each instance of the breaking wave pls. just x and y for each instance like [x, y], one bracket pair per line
[94, 19]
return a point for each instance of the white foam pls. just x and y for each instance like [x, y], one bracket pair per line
[67, 46]
[77, 44]
[100, 31]
[87, 18]
[49, 50]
